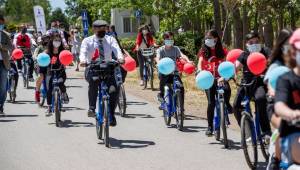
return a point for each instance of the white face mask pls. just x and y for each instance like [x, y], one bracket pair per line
[298, 57]
[254, 48]
[56, 44]
[169, 43]
[145, 32]
[210, 43]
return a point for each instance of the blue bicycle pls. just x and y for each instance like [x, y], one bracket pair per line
[221, 119]
[250, 130]
[148, 72]
[103, 72]
[173, 103]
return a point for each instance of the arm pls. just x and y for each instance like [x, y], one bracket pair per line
[283, 111]
[15, 41]
[8, 45]
[116, 49]
[199, 66]
[185, 57]
[84, 52]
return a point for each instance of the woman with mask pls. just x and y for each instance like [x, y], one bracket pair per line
[55, 47]
[258, 89]
[210, 56]
[144, 40]
[76, 43]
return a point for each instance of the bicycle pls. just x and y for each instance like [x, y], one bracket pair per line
[122, 101]
[43, 95]
[148, 73]
[103, 72]
[221, 119]
[250, 130]
[173, 103]
[25, 66]
[12, 84]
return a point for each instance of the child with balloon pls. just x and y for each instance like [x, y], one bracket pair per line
[166, 57]
[253, 63]
[211, 55]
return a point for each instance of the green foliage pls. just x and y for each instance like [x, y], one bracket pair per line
[58, 15]
[128, 44]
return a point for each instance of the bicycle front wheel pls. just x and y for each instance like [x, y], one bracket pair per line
[122, 101]
[12, 90]
[179, 112]
[106, 123]
[146, 74]
[248, 140]
[57, 108]
[223, 123]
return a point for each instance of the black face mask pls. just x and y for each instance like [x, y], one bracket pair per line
[101, 34]
[24, 30]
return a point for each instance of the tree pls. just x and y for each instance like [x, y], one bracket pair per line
[217, 16]
[58, 15]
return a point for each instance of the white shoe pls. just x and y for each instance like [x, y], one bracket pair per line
[141, 82]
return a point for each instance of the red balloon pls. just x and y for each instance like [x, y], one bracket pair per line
[257, 63]
[180, 64]
[65, 57]
[189, 68]
[233, 55]
[129, 64]
[17, 54]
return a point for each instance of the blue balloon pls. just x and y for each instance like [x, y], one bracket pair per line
[275, 74]
[43, 60]
[204, 80]
[166, 66]
[226, 70]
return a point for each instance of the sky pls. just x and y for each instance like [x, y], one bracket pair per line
[58, 4]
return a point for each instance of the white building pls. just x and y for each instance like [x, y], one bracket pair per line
[127, 25]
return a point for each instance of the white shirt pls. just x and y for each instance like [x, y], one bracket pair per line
[32, 42]
[90, 44]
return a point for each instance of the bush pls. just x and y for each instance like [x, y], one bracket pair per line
[128, 44]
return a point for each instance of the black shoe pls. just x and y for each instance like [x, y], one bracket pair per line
[113, 121]
[91, 113]
[1, 111]
[209, 131]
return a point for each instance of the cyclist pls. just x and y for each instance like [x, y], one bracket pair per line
[75, 41]
[173, 52]
[24, 40]
[258, 89]
[55, 29]
[287, 106]
[54, 48]
[100, 47]
[41, 70]
[211, 54]
[144, 40]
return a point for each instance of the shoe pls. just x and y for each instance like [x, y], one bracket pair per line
[1, 111]
[48, 112]
[19, 71]
[91, 113]
[113, 121]
[31, 79]
[37, 96]
[77, 69]
[209, 131]
[161, 106]
[141, 82]
[65, 98]
[159, 98]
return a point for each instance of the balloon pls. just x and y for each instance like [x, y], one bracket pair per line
[257, 63]
[43, 59]
[226, 70]
[189, 68]
[17, 54]
[275, 74]
[129, 64]
[204, 80]
[233, 55]
[166, 66]
[66, 57]
[180, 64]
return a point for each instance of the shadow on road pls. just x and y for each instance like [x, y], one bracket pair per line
[136, 103]
[72, 108]
[73, 86]
[133, 116]
[24, 102]
[75, 78]
[188, 129]
[70, 123]
[133, 144]
[232, 145]
[7, 120]
[18, 115]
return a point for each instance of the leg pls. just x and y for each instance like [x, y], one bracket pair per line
[19, 64]
[182, 92]
[261, 106]
[210, 94]
[93, 93]
[49, 91]
[3, 85]
[16, 75]
[237, 105]
[227, 95]
[163, 81]
[31, 66]
[141, 64]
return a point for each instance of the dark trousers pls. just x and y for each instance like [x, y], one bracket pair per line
[61, 85]
[164, 80]
[94, 89]
[3, 84]
[141, 61]
[211, 95]
[30, 63]
[259, 95]
[16, 75]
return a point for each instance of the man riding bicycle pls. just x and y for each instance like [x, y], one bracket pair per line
[173, 52]
[95, 49]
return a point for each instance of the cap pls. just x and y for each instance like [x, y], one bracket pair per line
[99, 23]
[295, 39]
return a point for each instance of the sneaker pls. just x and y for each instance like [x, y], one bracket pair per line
[65, 98]
[1, 111]
[37, 96]
[161, 106]
[91, 113]
[48, 112]
[77, 69]
[113, 121]
[141, 82]
[209, 131]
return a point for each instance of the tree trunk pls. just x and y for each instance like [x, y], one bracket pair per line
[245, 23]
[268, 33]
[226, 27]
[238, 28]
[256, 21]
[217, 16]
[280, 19]
[293, 21]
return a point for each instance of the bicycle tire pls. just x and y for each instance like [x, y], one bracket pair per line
[106, 123]
[99, 129]
[167, 117]
[246, 125]
[27, 77]
[223, 123]
[151, 75]
[217, 132]
[122, 101]
[179, 112]
[56, 108]
[146, 71]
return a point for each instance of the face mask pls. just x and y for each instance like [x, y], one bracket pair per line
[101, 34]
[210, 43]
[254, 48]
[145, 32]
[169, 43]
[56, 44]
[24, 30]
[298, 58]
[1, 27]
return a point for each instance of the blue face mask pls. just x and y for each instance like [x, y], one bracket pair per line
[1, 27]
[169, 42]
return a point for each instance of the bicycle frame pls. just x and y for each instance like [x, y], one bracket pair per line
[148, 56]
[171, 96]
[55, 84]
[102, 94]
[220, 98]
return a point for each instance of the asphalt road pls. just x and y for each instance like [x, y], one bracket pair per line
[31, 141]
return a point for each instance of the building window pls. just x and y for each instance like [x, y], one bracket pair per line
[127, 25]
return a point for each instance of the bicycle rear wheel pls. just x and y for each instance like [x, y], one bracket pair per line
[106, 123]
[99, 129]
[249, 144]
[223, 123]
[146, 76]
[57, 108]
[179, 112]
[167, 115]
[122, 101]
